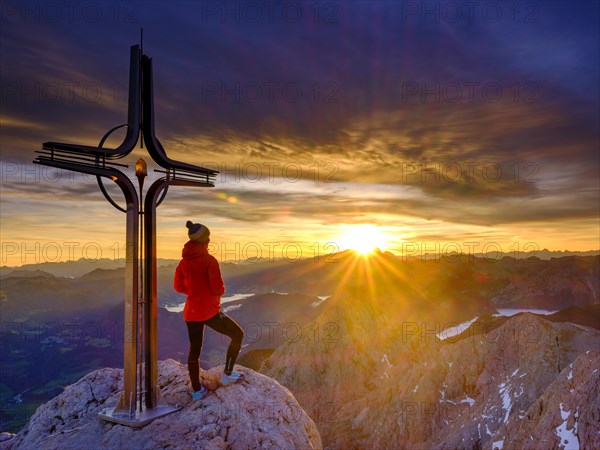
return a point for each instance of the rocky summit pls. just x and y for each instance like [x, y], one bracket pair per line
[256, 413]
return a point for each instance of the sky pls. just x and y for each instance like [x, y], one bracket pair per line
[423, 127]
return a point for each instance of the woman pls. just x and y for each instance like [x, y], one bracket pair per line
[199, 277]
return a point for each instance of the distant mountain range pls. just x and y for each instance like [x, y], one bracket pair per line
[73, 269]
[539, 254]
[83, 266]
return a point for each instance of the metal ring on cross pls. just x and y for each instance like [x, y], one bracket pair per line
[99, 178]
[163, 195]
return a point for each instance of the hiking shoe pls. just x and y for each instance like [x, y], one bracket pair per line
[199, 395]
[226, 380]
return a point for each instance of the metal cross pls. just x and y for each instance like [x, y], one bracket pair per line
[140, 336]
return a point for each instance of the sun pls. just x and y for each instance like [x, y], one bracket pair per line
[363, 239]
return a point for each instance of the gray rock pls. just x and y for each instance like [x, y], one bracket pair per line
[567, 414]
[256, 413]
[387, 384]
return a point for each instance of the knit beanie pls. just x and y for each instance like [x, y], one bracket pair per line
[197, 231]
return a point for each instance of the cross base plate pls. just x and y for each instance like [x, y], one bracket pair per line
[140, 419]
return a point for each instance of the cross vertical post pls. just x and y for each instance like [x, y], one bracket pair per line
[127, 402]
[153, 397]
[100, 161]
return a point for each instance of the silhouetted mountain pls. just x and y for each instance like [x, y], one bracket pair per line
[588, 316]
[544, 254]
[461, 283]
[102, 275]
[82, 266]
[465, 284]
[47, 298]
[22, 273]
[73, 269]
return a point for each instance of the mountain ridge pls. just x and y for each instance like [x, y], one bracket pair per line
[388, 383]
[77, 268]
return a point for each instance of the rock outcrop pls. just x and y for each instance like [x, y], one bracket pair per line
[257, 413]
[380, 382]
[567, 414]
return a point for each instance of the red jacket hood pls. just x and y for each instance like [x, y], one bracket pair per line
[194, 250]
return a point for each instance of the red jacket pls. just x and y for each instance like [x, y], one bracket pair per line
[199, 277]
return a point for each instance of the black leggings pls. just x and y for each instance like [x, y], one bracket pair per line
[223, 324]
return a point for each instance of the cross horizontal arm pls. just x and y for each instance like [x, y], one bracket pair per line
[107, 172]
